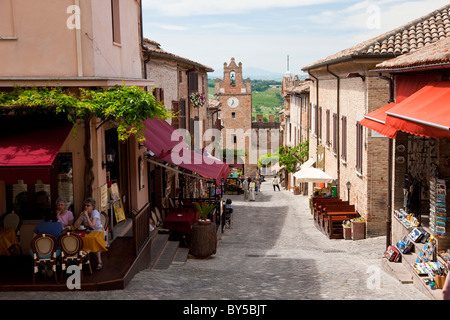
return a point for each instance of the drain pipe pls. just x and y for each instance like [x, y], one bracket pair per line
[317, 106]
[338, 112]
[390, 159]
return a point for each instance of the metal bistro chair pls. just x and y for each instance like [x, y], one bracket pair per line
[72, 251]
[44, 253]
[228, 216]
[14, 221]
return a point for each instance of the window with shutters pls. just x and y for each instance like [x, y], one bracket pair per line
[359, 147]
[319, 134]
[183, 114]
[344, 139]
[193, 81]
[159, 94]
[335, 132]
[316, 121]
[328, 138]
[115, 13]
[176, 111]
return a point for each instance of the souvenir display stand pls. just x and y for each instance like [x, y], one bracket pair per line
[416, 247]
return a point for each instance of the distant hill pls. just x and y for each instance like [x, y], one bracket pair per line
[250, 72]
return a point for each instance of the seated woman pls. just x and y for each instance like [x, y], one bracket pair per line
[90, 218]
[63, 215]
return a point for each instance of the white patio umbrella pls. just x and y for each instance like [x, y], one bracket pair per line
[312, 175]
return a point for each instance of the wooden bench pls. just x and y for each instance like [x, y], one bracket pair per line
[333, 223]
[332, 208]
[319, 205]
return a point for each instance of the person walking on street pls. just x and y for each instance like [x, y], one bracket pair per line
[245, 187]
[276, 183]
[252, 188]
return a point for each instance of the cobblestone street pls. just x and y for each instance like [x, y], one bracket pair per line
[273, 251]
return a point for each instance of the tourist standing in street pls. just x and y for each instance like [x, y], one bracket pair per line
[245, 187]
[276, 183]
[252, 188]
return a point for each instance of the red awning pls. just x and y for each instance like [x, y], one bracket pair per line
[169, 145]
[425, 113]
[376, 120]
[28, 147]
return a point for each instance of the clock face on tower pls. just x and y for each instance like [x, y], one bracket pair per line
[233, 102]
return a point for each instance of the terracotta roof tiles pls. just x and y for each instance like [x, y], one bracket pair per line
[435, 54]
[407, 38]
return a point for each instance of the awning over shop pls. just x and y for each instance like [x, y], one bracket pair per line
[313, 175]
[169, 145]
[28, 147]
[425, 113]
[308, 164]
[376, 120]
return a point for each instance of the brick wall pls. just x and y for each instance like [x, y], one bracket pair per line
[369, 188]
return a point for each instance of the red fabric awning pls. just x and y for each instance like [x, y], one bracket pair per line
[376, 120]
[425, 113]
[168, 145]
[28, 147]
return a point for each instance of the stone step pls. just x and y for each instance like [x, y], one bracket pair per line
[181, 256]
[158, 243]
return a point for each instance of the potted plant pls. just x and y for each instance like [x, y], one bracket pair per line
[197, 99]
[204, 209]
[358, 228]
[347, 227]
[204, 237]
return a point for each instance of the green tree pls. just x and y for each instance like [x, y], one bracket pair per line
[291, 157]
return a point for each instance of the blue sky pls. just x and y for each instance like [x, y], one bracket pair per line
[262, 33]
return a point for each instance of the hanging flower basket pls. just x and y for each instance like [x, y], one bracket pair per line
[197, 99]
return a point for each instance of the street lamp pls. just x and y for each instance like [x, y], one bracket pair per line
[349, 185]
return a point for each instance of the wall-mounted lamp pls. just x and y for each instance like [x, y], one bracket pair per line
[349, 185]
[356, 75]
[110, 157]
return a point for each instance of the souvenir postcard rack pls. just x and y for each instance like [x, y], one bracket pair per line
[438, 207]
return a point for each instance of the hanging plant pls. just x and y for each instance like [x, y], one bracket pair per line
[129, 107]
[197, 99]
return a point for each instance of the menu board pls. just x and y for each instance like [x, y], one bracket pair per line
[117, 202]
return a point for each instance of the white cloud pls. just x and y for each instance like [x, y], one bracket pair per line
[213, 7]
[173, 27]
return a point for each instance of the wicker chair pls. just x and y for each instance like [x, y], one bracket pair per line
[14, 221]
[71, 252]
[44, 252]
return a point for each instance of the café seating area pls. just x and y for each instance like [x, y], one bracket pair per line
[22, 272]
[329, 214]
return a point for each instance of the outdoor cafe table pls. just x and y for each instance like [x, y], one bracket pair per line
[7, 239]
[93, 241]
[180, 219]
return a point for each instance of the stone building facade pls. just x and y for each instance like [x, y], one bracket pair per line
[343, 90]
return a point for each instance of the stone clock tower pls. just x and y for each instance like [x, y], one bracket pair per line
[236, 112]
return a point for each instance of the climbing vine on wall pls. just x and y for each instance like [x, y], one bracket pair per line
[128, 107]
